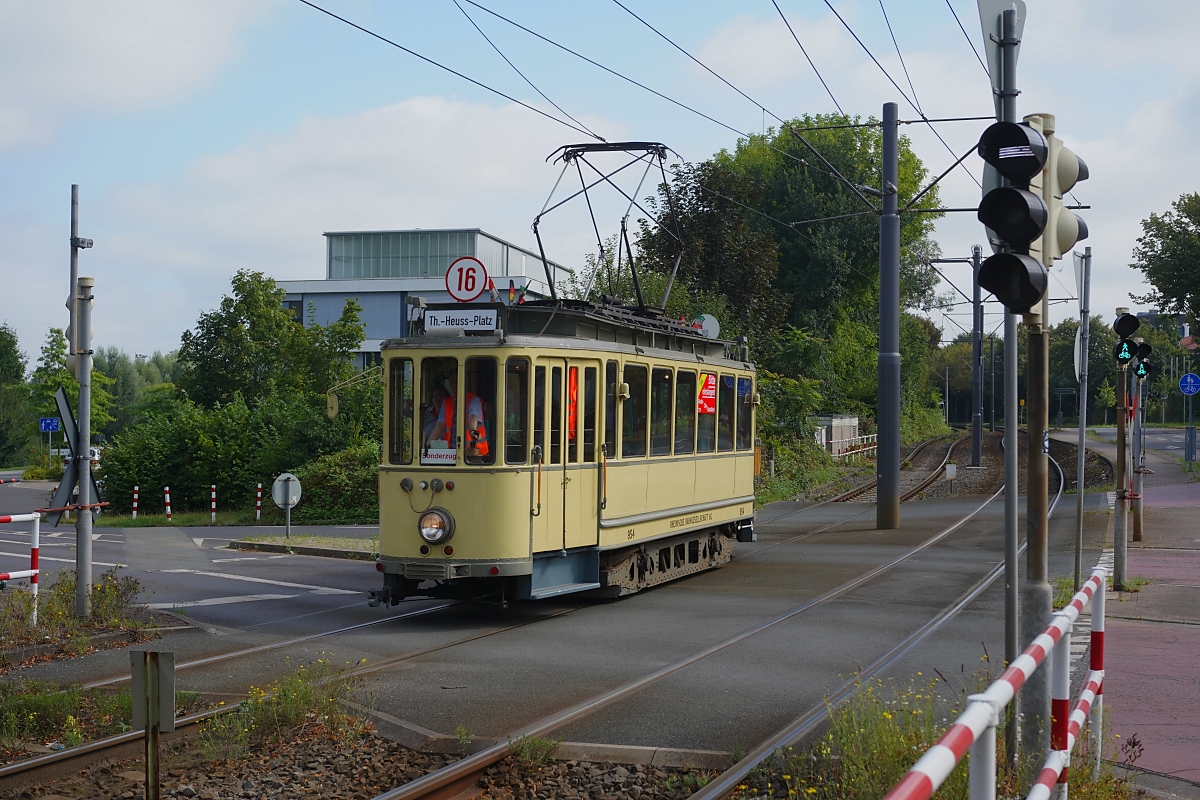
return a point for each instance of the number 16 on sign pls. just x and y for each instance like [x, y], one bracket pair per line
[466, 279]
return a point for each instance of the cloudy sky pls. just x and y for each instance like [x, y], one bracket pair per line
[209, 136]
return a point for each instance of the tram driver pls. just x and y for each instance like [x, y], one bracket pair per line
[443, 428]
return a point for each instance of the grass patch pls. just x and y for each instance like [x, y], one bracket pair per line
[533, 751]
[308, 702]
[183, 519]
[875, 737]
[370, 545]
[38, 712]
[115, 603]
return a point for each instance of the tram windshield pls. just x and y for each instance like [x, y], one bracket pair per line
[444, 401]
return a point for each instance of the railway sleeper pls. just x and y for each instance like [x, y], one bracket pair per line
[635, 568]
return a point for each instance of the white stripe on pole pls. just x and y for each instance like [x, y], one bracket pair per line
[135, 499]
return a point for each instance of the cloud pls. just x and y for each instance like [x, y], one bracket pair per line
[165, 251]
[61, 57]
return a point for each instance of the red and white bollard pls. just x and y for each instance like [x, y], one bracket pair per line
[35, 521]
[135, 492]
[167, 498]
[213, 507]
[1097, 665]
[1060, 703]
[258, 505]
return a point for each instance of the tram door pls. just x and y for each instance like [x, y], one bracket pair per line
[565, 396]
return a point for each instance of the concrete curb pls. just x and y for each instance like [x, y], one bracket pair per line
[302, 550]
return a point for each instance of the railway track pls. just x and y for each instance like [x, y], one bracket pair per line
[915, 483]
[451, 780]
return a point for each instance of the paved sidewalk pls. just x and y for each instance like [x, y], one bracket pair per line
[1152, 646]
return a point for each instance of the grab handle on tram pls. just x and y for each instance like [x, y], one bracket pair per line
[603, 476]
[537, 458]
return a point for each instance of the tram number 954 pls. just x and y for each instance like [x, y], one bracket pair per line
[629, 533]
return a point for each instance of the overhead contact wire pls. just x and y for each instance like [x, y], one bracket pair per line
[440, 66]
[808, 58]
[899, 55]
[561, 110]
[970, 41]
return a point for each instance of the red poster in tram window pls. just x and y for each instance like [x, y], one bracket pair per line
[707, 401]
[572, 401]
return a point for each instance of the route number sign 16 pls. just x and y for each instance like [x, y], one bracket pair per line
[466, 279]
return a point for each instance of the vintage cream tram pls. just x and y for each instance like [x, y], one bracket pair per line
[583, 447]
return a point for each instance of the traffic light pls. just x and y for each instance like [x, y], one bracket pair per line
[1143, 369]
[1064, 169]
[1126, 325]
[1016, 214]
[1124, 351]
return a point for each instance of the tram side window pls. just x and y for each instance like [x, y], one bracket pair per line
[539, 412]
[633, 413]
[706, 410]
[660, 412]
[556, 384]
[685, 412]
[572, 414]
[479, 405]
[745, 413]
[589, 414]
[439, 442]
[725, 411]
[610, 409]
[516, 410]
[400, 433]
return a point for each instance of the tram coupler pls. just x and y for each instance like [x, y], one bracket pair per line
[745, 531]
[384, 596]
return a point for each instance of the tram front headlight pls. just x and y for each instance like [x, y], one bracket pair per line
[436, 525]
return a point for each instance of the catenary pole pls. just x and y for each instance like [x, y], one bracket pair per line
[1037, 598]
[1084, 322]
[887, 508]
[83, 520]
[1139, 455]
[1008, 113]
[976, 359]
[1120, 531]
[74, 268]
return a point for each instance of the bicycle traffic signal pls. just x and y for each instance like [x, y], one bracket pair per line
[1124, 351]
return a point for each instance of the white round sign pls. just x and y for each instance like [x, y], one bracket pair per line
[709, 327]
[466, 279]
[286, 490]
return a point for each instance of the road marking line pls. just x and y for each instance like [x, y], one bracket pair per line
[64, 560]
[219, 601]
[227, 560]
[248, 579]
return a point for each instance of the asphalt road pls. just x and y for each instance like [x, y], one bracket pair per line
[510, 673]
[1163, 439]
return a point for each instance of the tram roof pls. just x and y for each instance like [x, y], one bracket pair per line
[575, 320]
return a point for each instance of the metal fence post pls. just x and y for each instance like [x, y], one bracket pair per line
[34, 547]
[1097, 665]
[1060, 701]
[981, 778]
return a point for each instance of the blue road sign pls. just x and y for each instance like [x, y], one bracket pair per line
[50, 424]
[1189, 383]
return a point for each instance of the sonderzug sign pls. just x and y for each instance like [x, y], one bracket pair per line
[481, 320]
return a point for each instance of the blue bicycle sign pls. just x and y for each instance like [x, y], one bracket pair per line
[1189, 383]
[48, 424]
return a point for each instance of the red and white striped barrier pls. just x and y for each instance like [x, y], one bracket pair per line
[135, 493]
[975, 728]
[213, 501]
[258, 505]
[167, 499]
[10, 480]
[35, 521]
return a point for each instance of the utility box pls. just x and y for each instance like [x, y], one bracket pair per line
[838, 428]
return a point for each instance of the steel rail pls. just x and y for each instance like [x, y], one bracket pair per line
[933, 476]
[456, 777]
[807, 722]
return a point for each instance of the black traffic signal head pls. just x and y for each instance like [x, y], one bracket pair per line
[1017, 216]
[1143, 369]
[1125, 325]
[1016, 150]
[1125, 350]
[1144, 350]
[1017, 280]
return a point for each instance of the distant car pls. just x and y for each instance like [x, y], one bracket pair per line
[94, 452]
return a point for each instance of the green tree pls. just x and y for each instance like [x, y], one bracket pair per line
[252, 346]
[51, 373]
[1168, 252]
[1106, 398]
[14, 421]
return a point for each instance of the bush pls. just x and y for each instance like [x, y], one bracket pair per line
[341, 487]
